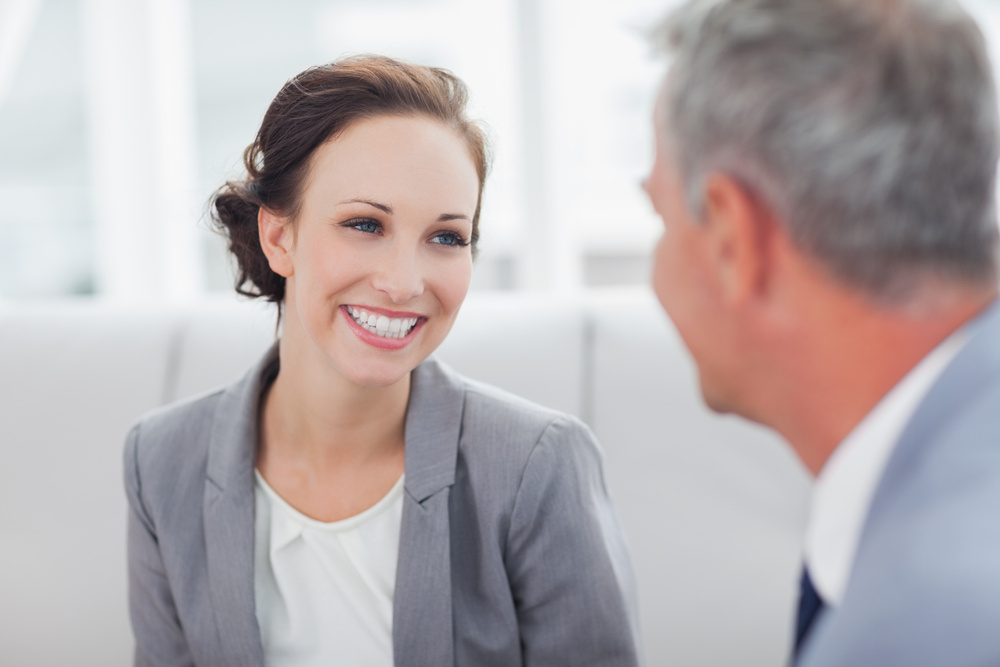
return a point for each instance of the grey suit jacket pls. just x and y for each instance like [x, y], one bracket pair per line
[510, 553]
[925, 587]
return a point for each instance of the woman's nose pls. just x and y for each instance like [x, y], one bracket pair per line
[399, 276]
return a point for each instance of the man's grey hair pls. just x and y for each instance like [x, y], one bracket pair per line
[868, 126]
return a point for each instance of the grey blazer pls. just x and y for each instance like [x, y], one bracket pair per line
[510, 552]
[925, 587]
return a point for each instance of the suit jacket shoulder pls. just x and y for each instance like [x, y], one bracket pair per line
[925, 586]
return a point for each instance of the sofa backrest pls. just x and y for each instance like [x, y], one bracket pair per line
[713, 506]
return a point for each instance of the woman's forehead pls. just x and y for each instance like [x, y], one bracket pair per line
[395, 156]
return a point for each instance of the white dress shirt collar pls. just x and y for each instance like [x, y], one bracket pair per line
[846, 485]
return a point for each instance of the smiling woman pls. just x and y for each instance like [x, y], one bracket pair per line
[351, 500]
[383, 226]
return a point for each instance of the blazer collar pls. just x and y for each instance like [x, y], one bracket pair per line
[233, 450]
[229, 514]
[423, 627]
[433, 426]
[973, 368]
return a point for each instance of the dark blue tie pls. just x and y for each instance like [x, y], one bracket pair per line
[810, 604]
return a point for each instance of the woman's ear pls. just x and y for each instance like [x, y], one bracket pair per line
[277, 241]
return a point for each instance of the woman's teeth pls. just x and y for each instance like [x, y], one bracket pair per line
[381, 325]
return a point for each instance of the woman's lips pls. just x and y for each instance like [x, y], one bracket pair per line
[377, 328]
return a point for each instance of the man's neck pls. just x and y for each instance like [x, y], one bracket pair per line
[850, 353]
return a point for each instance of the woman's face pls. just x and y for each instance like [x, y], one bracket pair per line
[378, 259]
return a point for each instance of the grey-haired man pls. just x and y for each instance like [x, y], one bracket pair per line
[825, 173]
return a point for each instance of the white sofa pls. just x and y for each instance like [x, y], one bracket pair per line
[713, 506]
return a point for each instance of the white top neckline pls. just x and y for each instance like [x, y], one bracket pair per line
[845, 487]
[324, 591]
[349, 523]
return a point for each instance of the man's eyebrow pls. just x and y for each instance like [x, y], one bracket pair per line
[381, 207]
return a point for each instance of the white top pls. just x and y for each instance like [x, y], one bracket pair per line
[845, 486]
[324, 591]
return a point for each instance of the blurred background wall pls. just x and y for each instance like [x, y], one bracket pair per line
[118, 118]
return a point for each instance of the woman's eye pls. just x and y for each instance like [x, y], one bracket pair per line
[449, 238]
[363, 225]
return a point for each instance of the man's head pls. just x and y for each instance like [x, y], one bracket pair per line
[866, 131]
[870, 127]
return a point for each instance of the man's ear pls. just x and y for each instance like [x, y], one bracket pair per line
[277, 239]
[739, 226]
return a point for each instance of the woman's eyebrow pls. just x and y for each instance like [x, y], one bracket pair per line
[382, 207]
[444, 217]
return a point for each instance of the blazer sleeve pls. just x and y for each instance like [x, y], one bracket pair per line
[159, 638]
[568, 565]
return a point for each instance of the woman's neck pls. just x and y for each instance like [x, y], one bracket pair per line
[331, 448]
[315, 416]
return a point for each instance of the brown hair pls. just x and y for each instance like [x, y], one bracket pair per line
[311, 108]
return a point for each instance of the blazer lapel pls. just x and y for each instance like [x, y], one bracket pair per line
[229, 517]
[423, 632]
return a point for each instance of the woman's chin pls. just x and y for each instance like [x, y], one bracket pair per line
[378, 375]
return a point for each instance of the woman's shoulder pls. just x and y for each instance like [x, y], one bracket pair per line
[168, 447]
[178, 435]
[503, 423]
[178, 420]
[489, 403]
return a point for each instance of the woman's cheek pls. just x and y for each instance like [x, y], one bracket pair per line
[460, 281]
